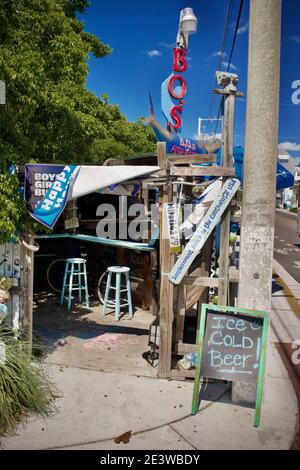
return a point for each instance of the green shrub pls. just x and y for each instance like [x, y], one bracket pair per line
[24, 385]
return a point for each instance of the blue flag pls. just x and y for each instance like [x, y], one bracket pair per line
[55, 200]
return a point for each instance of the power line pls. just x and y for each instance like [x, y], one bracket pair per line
[230, 56]
[223, 45]
[235, 32]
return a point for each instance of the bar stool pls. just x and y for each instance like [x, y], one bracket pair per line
[116, 303]
[75, 267]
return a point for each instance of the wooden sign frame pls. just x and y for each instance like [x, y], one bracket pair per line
[260, 382]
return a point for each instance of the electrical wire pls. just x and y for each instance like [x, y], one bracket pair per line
[235, 32]
[237, 25]
[222, 50]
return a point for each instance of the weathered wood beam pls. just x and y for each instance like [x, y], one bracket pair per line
[188, 159]
[166, 287]
[201, 281]
[204, 171]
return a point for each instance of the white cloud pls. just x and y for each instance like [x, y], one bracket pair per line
[289, 146]
[243, 29]
[295, 39]
[153, 53]
[232, 66]
[169, 46]
[218, 54]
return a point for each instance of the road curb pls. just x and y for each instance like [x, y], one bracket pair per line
[284, 211]
[290, 282]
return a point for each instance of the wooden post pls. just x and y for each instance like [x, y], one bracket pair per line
[205, 268]
[180, 314]
[166, 287]
[154, 288]
[228, 125]
[28, 274]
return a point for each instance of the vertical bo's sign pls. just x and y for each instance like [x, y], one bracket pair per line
[172, 106]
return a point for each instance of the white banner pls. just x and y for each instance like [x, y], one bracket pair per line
[173, 228]
[204, 201]
[94, 178]
[204, 229]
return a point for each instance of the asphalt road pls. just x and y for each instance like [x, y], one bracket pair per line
[286, 327]
[287, 243]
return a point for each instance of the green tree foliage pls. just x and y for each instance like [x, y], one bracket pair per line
[49, 116]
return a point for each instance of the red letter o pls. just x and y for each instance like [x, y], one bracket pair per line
[182, 84]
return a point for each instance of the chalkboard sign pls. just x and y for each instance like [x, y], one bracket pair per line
[232, 346]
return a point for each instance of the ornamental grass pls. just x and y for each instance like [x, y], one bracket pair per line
[24, 385]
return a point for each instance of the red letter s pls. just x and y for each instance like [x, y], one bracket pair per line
[174, 115]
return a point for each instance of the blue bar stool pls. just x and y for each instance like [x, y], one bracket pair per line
[116, 302]
[75, 267]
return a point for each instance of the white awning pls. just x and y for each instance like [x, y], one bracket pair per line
[93, 178]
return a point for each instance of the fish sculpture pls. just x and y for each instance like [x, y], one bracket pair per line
[178, 144]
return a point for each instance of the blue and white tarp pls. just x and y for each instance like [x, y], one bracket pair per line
[284, 179]
[48, 188]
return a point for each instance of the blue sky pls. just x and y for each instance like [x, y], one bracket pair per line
[142, 35]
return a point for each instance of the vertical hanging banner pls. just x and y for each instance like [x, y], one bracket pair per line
[55, 199]
[173, 228]
[204, 229]
[38, 179]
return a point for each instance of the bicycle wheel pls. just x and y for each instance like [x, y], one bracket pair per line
[101, 286]
[55, 274]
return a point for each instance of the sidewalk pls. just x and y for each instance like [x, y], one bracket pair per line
[97, 406]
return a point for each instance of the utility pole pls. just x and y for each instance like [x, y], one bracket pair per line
[258, 213]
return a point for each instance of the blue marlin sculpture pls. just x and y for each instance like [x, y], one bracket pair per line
[177, 144]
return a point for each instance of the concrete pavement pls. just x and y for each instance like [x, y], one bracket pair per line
[98, 406]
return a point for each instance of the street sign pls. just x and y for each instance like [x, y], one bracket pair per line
[232, 346]
[204, 229]
[173, 228]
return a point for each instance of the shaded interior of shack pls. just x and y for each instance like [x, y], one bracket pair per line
[84, 336]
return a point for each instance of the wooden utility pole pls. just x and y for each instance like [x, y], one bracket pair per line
[230, 81]
[166, 287]
[258, 212]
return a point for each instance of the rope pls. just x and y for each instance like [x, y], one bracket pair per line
[29, 247]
